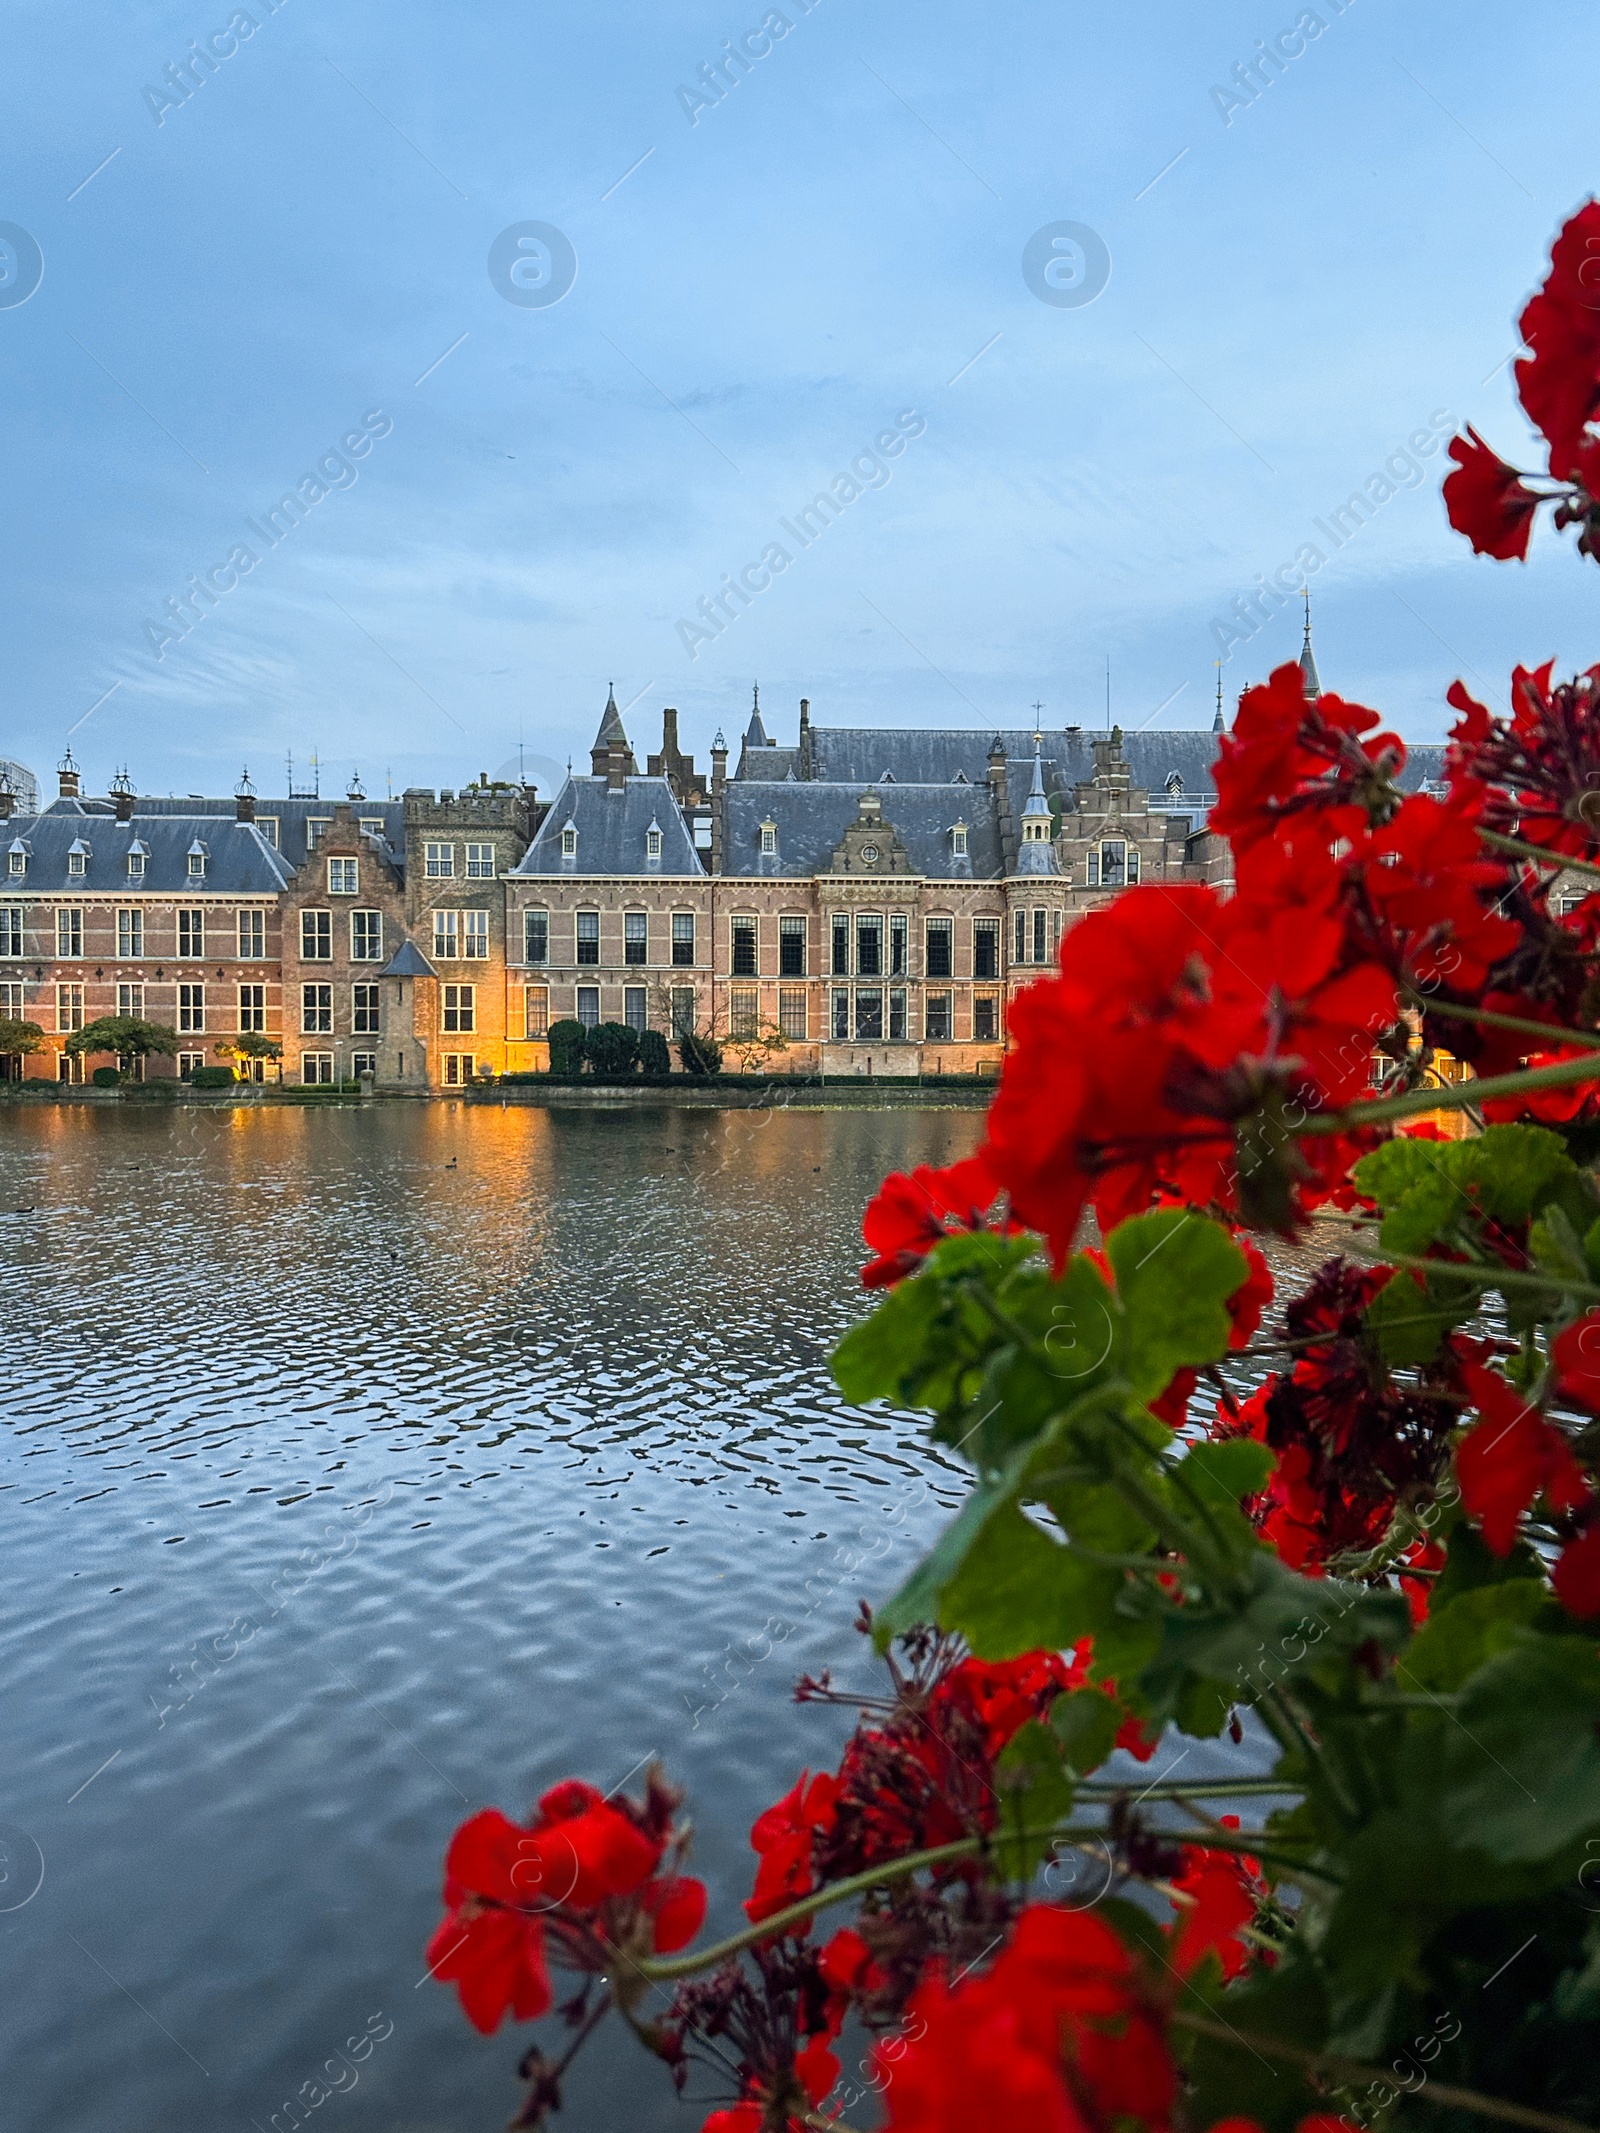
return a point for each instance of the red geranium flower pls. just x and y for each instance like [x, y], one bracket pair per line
[784, 1836]
[910, 1215]
[1508, 1458]
[1488, 501]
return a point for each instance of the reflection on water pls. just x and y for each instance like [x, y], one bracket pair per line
[365, 1466]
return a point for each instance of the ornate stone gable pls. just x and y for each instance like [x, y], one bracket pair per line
[870, 846]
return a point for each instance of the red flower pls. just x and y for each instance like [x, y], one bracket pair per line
[495, 1960]
[1559, 382]
[1488, 501]
[1058, 2034]
[1575, 1352]
[1225, 1896]
[1508, 1458]
[1287, 754]
[1576, 1576]
[785, 1836]
[910, 1215]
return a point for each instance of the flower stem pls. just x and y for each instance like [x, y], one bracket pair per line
[1550, 1031]
[1442, 2093]
[1538, 852]
[1454, 1096]
[1481, 1277]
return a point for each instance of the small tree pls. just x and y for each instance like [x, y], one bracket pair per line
[249, 1044]
[566, 1050]
[655, 1061]
[18, 1037]
[700, 1055]
[612, 1050]
[125, 1037]
[756, 1046]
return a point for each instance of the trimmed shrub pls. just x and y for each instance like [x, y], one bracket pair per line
[655, 1061]
[106, 1077]
[208, 1077]
[700, 1055]
[566, 1050]
[612, 1050]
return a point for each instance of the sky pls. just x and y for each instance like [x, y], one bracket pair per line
[563, 441]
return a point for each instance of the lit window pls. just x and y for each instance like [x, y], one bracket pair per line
[460, 1007]
[937, 939]
[792, 948]
[366, 936]
[536, 1010]
[682, 937]
[316, 937]
[69, 1007]
[588, 936]
[635, 937]
[252, 936]
[316, 1069]
[365, 1017]
[569, 842]
[130, 936]
[344, 877]
[792, 1012]
[475, 940]
[252, 1008]
[589, 1006]
[11, 929]
[192, 1009]
[439, 861]
[480, 862]
[446, 936]
[635, 1007]
[316, 1009]
[69, 935]
[744, 947]
[130, 1001]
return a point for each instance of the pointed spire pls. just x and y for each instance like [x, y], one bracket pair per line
[755, 734]
[1217, 725]
[1308, 658]
[611, 757]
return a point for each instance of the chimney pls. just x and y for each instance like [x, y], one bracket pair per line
[669, 734]
[244, 800]
[719, 797]
[122, 795]
[805, 736]
[70, 781]
[8, 796]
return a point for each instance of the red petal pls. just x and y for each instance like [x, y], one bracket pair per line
[1577, 1574]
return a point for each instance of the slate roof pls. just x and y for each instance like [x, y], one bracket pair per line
[239, 860]
[612, 823]
[291, 817]
[769, 762]
[812, 817]
[408, 961]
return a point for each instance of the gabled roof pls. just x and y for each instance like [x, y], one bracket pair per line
[239, 860]
[612, 825]
[408, 961]
[812, 817]
[291, 818]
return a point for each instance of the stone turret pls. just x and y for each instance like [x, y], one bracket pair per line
[611, 757]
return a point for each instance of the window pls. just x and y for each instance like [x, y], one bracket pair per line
[1038, 936]
[1119, 865]
[192, 1008]
[460, 1007]
[11, 1002]
[363, 1063]
[1019, 946]
[253, 1008]
[69, 1007]
[187, 1062]
[69, 935]
[985, 1019]
[447, 936]
[475, 936]
[937, 964]
[366, 936]
[365, 1015]
[769, 840]
[77, 858]
[683, 1011]
[588, 936]
[791, 948]
[683, 937]
[372, 826]
[136, 860]
[130, 1001]
[197, 862]
[744, 947]
[869, 1015]
[589, 1005]
[315, 825]
[897, 1015]
[130, 935]
[316, 1069]
[1055, 935]
[1091, 870]
[569, 842]
[344, 877]
[869, 946]
[652, 842]
[536, 936]
[252, 936]
[11, 929]
[19, 860]
[744, 1011]
[792, 1012]
[986, 948]
[480, 862]
[268, 826]
[316, 1009]
[536, 1010]
[635, 937]
[841, 1016]
[316, 937]
[958, 841]
[439, 861]
[897, 945]
[457, 1069]
[636, 1007]
[841, 945]
[936, 1018]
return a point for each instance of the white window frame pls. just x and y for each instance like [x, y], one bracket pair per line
[252, 1009]
[535, 1013]
[439, 861]
[130, 1000]
[130, 935]
[536, 920]
[316, 1010]
[316, 927]
[446, 936]
[344, 877]
[457, 1001]
[192, 1009]
[475, 934]
[69, 1008]
[69, 935]
[12, 932]
[366, 1015]
[369, 924]
[480, 862]
[252, 932]
[316, 1070]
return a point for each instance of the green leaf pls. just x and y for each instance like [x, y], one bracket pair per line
[876, 1357]
[918, 1599]
[1457, 1639]
[1017, 1590]
[1175, 1272]
[1085, 1722]
[1227, 1472]
[1231, 2080]
[1035, 1791]
[1433, 1190]
[1521, 1774]
[1412, 1313]
[1469, 1563]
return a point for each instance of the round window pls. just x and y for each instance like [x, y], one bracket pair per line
[869, 854]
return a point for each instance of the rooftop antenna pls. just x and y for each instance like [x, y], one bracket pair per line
[316, 775]
[288, 757]
[1308, 613]
[388, 779]
[1108, 692]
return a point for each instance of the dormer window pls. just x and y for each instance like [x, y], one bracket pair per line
[197, 861]
[18, 856]
[137, 855]
[652, 841]
[1174, 784]
[77, 856]
[958, 840]
[569, 842]
[769, 840]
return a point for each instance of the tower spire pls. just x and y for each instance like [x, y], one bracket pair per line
[1216, 723]
[1311, 681]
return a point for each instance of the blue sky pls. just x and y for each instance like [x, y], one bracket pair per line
[1296, 288]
